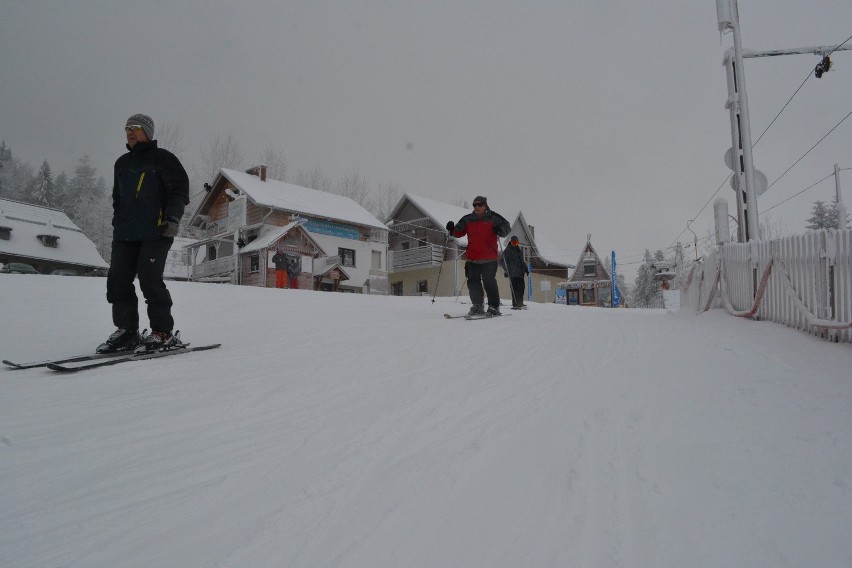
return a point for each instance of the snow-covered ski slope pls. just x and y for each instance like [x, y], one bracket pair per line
[336, 430]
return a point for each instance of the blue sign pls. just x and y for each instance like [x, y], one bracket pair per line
[333, 229]
[615, 299]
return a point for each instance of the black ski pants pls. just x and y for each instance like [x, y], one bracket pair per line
[483, 275]
[147, 261]
[518, 289]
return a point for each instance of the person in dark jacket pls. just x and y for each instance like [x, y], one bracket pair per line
[515, 269]
[482, 228]
[294, 269]
[282, 264]
[149, 194]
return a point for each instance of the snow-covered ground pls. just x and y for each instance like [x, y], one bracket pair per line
[337, 430]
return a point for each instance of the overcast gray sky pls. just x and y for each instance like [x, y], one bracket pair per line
[592, 117]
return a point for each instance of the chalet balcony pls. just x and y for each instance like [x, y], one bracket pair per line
[221, 266]
[213, 229]
[419, 257]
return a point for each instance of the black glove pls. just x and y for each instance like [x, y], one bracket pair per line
[169, 227]
[505, 275]
[451, 226]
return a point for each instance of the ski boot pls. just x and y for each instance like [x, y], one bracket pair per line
[493, 311]
[476, 310]
[159, 341]
[120, 340]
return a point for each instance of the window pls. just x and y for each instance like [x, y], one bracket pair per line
[6, 233]
[588, 295]
[396, 288]
[405, 245]
[211, 252]
[377, 260]
[49, 240]
[423, 286]
[254, 263]
[588, 268]
[347, 257]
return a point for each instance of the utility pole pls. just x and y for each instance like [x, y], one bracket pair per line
[840, 207]
[742, 162]
[747, 183]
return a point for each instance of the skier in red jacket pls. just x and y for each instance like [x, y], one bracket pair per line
[482, 228]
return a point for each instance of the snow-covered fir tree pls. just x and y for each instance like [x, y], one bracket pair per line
[60, 188]
[5, 158]
[835, 215]
[44, 190]
[17, 179]
[89, 205]
[822, 217]
[646, 293]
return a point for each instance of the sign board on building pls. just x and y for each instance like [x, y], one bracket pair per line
[333, 229]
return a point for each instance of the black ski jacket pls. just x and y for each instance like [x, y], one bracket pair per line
[513, 262]
[281, 260]
[150, 185]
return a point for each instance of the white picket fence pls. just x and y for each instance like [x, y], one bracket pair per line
[802, 281]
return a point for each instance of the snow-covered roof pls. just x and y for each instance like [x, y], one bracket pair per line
[438, 211]
[269, 234]
[29, 222]
[550, 251]
[289, 197]
[590, 249]
[544, 248]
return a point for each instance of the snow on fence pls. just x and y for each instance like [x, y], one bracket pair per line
[802, 281]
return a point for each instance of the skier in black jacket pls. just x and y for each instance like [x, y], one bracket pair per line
[149, 194]
[514, 268]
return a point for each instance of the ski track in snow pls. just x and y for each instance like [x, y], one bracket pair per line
[334, 430]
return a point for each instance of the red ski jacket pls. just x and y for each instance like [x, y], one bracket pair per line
[482, 233]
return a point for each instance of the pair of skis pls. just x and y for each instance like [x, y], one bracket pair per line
[95, 360]
[469, 317]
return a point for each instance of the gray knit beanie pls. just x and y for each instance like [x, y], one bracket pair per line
[145, 121]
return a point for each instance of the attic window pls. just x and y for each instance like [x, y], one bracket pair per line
[49, 240]
[5, 233]
[588, 268]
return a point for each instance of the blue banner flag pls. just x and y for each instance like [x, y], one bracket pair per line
[615, 298]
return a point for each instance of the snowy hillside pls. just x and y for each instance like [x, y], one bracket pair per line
[335, 430]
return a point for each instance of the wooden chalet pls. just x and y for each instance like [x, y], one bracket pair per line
[244, 217]
[591, 282]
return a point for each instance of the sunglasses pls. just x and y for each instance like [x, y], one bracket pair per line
[479, 205]
[133, 127]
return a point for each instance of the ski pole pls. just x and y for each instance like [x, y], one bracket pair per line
[441, 269]
[506, 268]
[461, 289]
